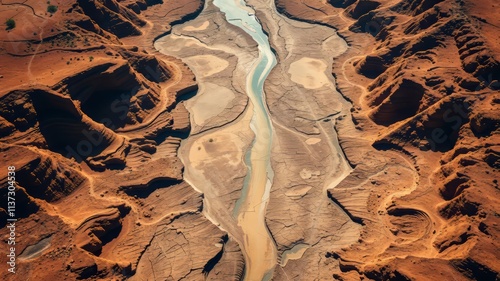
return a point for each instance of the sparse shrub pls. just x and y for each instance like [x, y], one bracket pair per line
[11, 23]
[91, 58]
[51, 9]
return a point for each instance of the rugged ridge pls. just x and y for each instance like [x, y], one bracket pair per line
[423, 80]
[92, 117]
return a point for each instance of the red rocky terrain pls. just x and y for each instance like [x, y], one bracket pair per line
[423, 78]
[91, 116]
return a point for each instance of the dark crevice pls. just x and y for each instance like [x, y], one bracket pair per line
[143, 191]
[349, 214]
[213, 261]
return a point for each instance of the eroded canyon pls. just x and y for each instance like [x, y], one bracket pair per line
[251, 140]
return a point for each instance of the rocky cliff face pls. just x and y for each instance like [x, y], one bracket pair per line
[92, 116]
[423, 80]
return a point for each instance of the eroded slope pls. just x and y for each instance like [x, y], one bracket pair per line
[92, 118]
[423, 80]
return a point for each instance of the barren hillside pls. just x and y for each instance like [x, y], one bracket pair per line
[423, 77]
[284, 139]
[91, 116]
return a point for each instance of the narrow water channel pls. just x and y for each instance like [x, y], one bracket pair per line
[258, 246]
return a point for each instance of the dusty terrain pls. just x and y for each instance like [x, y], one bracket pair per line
[423, 80]
[305, 156]
[131, 129]
[92, 117]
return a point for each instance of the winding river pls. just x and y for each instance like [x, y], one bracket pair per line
[258, 247]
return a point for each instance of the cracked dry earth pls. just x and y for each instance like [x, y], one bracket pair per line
[92, 117]
[359, 190]
[306, 158]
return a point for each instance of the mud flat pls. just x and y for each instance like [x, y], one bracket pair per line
[230, 125]
[259, 248]
[306, 157]
[213, 102]
[275, 170]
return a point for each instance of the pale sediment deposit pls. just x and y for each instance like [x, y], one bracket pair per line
[262, 193]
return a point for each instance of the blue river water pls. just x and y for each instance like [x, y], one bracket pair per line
[258, 246]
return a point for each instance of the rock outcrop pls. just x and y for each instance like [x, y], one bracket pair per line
[423, 80]
[92, 116]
